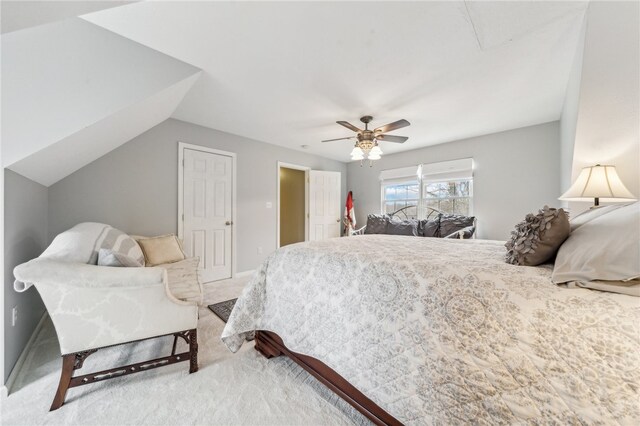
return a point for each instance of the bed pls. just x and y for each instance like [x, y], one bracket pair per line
[416, 330]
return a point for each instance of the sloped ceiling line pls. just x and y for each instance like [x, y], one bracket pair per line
[80, 89]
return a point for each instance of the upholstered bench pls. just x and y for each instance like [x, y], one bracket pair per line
[93, 305]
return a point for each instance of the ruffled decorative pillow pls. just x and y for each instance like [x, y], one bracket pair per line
[537, 238]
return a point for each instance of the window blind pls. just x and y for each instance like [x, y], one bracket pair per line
[447, 170]
[403, 174]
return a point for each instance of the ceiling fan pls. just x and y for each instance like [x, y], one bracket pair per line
[367, 140]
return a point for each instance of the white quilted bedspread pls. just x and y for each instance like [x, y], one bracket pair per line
[444, 331]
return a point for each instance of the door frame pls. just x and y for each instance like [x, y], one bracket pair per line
[181, 147]
[306, 170]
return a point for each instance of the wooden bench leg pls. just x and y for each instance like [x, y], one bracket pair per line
[193, 351]
[68, 362]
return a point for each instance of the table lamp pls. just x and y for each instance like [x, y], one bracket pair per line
[598, 182]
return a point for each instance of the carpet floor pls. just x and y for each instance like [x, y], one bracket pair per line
[230, 389]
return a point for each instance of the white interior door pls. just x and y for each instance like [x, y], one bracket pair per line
[207, 206]
[324, 205]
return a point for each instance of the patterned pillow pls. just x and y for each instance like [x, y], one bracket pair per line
[108, 257]
[117, 241]
[402, 227]
[537, 238]
[450, 223]
[377, 224]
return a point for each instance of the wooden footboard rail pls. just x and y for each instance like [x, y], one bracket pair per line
[271, 345]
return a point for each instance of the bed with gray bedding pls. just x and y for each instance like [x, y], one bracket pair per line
[444, 331]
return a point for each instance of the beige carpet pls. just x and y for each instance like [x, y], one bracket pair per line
[242, 388]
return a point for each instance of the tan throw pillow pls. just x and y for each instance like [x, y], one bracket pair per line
[537, 238]
[162, 249]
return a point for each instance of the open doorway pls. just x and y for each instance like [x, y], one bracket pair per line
[292, 204]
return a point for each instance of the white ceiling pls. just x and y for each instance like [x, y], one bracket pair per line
[21, 14]
[285, 72]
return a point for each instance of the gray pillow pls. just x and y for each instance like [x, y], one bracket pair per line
[429, 227]
[402, 227]
[450, 223]
[466, 232]
[376, 224]
[108, 257]
[537, 238]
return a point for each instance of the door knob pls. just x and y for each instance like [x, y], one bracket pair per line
[338, 220]
[229, 222]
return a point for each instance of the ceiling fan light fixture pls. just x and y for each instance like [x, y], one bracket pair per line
[367, 140]
[373, 156]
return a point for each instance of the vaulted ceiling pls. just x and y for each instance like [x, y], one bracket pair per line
[284, 72]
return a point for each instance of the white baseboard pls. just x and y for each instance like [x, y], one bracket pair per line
[244, 273]
[3, 394]
[23, 356]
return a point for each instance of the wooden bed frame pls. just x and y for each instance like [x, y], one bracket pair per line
[271, 345]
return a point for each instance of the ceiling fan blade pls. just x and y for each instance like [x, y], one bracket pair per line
[392, 126]
[392, 138]
[349, 126]
[339, 139]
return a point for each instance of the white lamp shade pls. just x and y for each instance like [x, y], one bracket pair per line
[598, 182]
[375, 151]
[373, 156]
[357, 151]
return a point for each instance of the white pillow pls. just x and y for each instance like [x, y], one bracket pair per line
[592, 213]
[605, 248]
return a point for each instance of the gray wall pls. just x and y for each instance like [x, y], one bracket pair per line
[135, 187]
[25, 237]
[515, 172]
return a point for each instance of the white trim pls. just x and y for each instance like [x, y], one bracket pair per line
[306, 198]
[181, 147]
[244, 273]
[2, 267]
[23, 356]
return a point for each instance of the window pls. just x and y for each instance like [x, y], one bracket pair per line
[446, 186]
[449, 196]
[399, 195]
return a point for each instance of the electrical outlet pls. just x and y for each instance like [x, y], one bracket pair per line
[269, 204]
[14, 316]
[259, 250]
